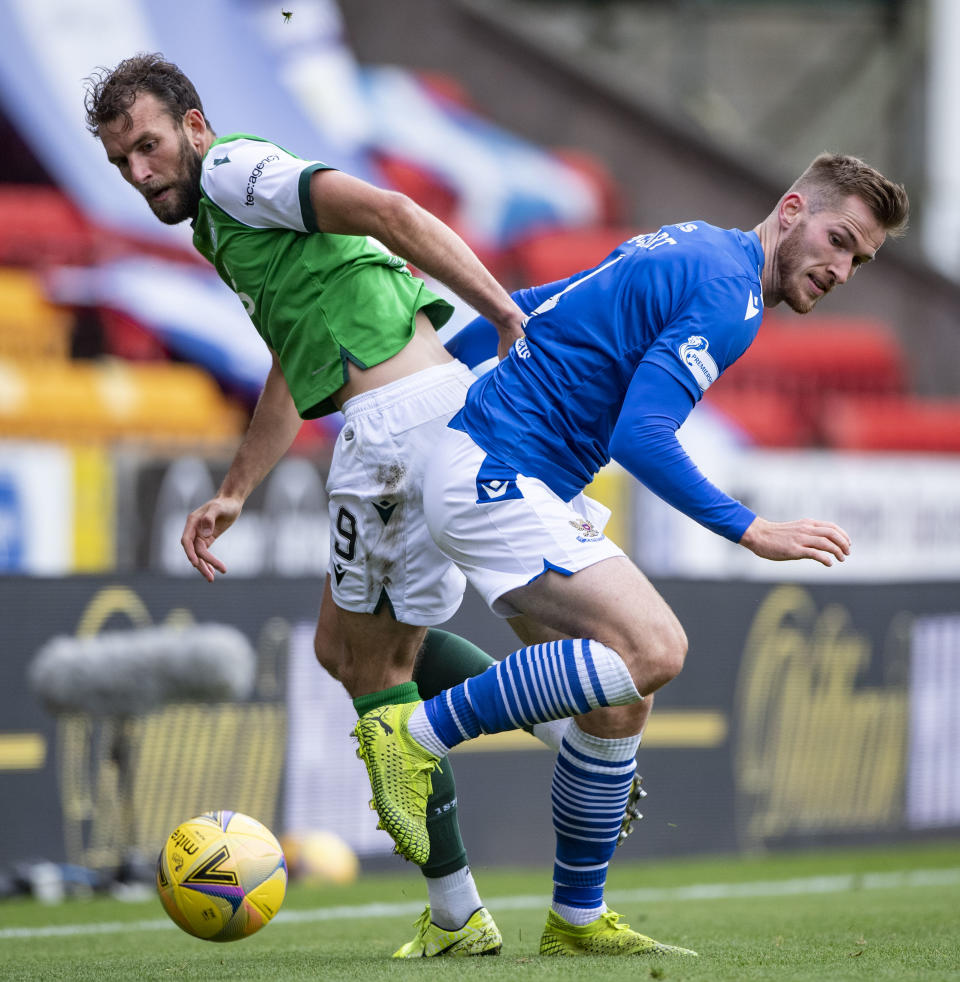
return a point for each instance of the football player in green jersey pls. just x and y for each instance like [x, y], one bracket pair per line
[348, 328]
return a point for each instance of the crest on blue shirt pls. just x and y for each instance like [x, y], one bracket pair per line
[698, 359]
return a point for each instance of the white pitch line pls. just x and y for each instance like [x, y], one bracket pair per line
[847, 882]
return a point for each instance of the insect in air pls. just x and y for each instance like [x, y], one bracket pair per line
[286, 14]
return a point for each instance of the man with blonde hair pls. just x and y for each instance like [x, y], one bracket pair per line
[613, 361]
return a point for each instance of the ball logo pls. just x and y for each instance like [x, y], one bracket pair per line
[700, 362]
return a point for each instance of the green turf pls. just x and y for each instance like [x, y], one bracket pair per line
[864, 928]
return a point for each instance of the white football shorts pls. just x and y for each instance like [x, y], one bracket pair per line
[381, 554]
[504, 529]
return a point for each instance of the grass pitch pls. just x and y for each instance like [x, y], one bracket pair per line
[876, 914]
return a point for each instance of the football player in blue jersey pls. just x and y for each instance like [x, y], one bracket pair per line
[613, 361]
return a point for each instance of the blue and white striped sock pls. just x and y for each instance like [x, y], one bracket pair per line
[591, 783]
[532, 685]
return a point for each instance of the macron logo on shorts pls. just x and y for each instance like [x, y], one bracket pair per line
[495, 489]
[496, 481]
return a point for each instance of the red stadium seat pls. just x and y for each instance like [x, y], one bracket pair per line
[823, 354]
[768, 418]
[816, 359]
[446, 87]
[40, 226]
[904, 423]
[417, 183]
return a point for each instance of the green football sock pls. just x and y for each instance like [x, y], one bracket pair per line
[396, 694]
[447, 852]
[445, 660]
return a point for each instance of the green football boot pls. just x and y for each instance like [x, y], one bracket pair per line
[400, 772]
[604, 936]
[479, 936]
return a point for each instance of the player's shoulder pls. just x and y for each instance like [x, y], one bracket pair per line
[234, 159]
[255, 181]
[706, 252]
[242, 164]
[702, 238]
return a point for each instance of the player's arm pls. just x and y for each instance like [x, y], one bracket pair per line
[346, 205]
[645, 442]
[273, 426]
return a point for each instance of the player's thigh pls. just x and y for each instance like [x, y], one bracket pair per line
[369, 638]
[610, 601]
[531, 631]
[366, 652]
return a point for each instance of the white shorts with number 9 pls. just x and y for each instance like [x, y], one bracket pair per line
[381, 554]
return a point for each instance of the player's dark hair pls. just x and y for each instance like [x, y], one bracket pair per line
[834, 176]
[111, 93]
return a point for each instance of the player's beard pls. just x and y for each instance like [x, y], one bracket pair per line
[183, 194]
[791, 256]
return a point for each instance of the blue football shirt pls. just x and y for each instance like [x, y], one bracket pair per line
[686, 301]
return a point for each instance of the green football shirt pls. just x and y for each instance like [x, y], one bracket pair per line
[319, 300]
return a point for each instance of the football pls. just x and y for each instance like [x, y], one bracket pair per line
[221, 876]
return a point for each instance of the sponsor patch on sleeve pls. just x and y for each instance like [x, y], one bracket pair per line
[699, 361]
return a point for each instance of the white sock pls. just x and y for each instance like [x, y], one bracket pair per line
[578, 915]
[453, 899]
[618, 685]
[551, 732]
[418, 726]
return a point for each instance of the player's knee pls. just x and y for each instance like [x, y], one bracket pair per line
[671, 650]
[659, 655]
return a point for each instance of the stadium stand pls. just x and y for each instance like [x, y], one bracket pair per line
[41, 226]
[48, 395]
[30, 327]
[556, 253]
[779, 388]
[893, 423]
[150, 403]
[780, 394]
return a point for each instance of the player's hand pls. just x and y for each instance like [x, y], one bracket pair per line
[806, 538]
[204, 525]
[509, 332]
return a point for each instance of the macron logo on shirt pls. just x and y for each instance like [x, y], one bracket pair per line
[752, 308]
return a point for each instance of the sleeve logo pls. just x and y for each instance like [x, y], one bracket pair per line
[255, 176]
[695, 356]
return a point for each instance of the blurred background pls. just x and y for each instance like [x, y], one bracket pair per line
[817, 706]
